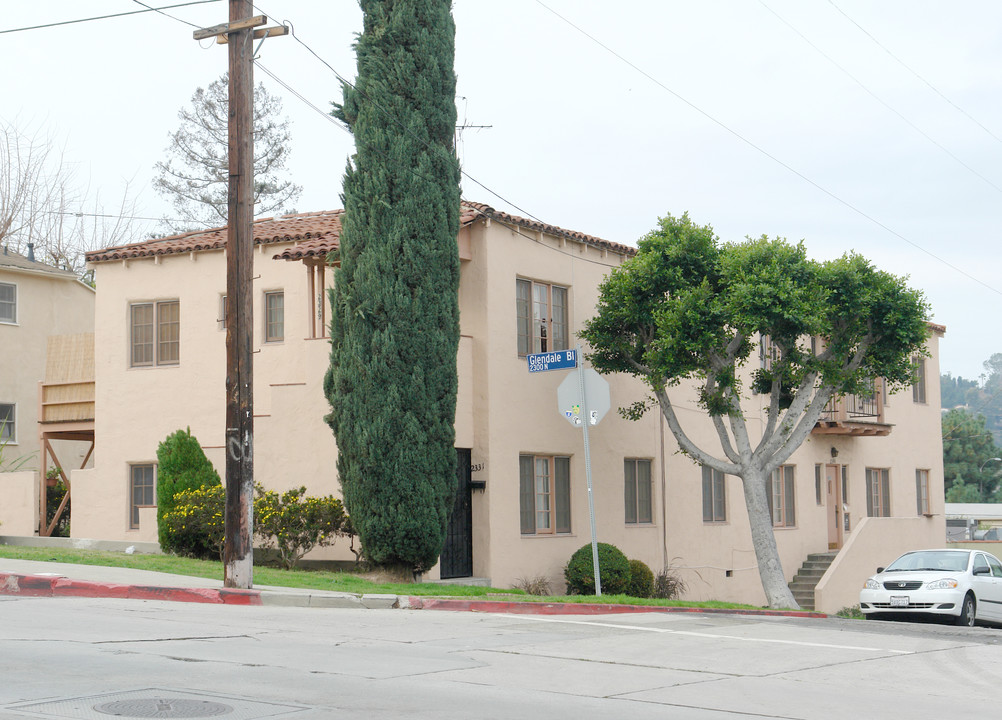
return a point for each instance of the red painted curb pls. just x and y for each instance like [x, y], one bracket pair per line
[538, 608]
[44, 586]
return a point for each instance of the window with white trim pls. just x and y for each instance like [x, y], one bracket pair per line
[782, 497]
[155, 333]
[638, 491]
[544, 494]
[541, 317]
[878, 492]
[8, 303]
[8, 426]
[714, 496]
[274, 316]
[142, 490]
[922, 491]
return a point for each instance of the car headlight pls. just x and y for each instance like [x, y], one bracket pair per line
[871, 584]
[943, 584]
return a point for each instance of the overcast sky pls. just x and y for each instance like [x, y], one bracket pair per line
[866, 126]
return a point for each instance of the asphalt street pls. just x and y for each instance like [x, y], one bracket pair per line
[70, 657]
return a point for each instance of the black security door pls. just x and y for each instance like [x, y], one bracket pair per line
[457, 555]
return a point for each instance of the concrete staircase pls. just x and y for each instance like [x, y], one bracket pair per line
[807, 577]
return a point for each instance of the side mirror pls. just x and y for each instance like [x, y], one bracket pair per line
[982, 571]
[880, 570]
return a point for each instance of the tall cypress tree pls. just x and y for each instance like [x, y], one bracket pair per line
[395, 313]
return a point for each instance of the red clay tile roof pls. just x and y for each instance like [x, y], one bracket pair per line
[304, 227]
[316, 234]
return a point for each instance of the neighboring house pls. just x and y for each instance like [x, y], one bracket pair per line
[39, 306]
[867, 483]
[36, 301]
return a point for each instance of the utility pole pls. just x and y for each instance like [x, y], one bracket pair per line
[238, 550]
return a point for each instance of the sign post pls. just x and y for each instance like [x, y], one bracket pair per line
[583, 400]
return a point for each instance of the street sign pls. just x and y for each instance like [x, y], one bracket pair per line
[570, 402]
[559, 360]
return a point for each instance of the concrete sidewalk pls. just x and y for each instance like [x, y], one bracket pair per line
[52, 579]
[31, 578]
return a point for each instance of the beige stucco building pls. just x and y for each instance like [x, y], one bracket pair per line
[857, 485]
[37, 302]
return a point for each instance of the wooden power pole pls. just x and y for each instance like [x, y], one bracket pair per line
[238, 550]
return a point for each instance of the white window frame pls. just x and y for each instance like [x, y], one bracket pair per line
[12, 303]
[134, 507]
[158, 343]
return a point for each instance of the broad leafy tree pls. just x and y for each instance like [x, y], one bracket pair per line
[690, 308]
[969, 472]
[194, 175]
[395, 315]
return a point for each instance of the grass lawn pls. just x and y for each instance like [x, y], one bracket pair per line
[318, 579]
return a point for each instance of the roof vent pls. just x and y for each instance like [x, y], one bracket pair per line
[31, 252]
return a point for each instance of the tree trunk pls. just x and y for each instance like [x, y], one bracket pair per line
[770, 569]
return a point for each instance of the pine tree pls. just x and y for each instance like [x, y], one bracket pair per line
[395, 320]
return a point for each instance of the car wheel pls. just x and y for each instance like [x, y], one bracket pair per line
[967, 612]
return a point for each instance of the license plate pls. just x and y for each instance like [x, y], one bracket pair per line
[899, 601]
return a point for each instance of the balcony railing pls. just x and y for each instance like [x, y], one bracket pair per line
[855, 414]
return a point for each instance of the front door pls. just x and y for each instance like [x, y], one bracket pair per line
[833, 505]
[457, 555]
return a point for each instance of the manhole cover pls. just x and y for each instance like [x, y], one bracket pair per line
[159, 707]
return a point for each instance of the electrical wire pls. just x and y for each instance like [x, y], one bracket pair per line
[105, 17]
[161, 11]
[916, 74]
[880, 100]
[766, 153]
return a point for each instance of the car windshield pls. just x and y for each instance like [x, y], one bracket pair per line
[948, 560]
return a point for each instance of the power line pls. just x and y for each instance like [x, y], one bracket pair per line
[880, 100]
[105, 17]
[913, 72]
[339, 76]
[765, 152]
[161, 11]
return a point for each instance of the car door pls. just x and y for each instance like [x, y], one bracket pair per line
[995, 602]
[985, 588]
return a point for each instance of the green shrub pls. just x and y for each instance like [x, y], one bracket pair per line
[613, 567]
[294, 524]
[641, 580]
[199, 513]
[182, 465]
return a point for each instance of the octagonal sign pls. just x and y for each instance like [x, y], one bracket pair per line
[570, 403]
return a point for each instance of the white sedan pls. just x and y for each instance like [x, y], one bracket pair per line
[965, 584]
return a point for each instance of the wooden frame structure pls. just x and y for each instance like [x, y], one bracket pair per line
[65, 412]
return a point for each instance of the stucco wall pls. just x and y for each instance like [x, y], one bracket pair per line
[18, 503]
[46, 305]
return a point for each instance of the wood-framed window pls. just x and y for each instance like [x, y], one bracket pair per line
[638, 492]
[878, 492]
[155, 333]
[918, 380]
[922, 492]
[8, 303]
[8, 424]
[319, 324]
[142, 490]
[782, 497]
[544, 494]
[274, 316]
[714, 496]
[541, 317]
[819, 475]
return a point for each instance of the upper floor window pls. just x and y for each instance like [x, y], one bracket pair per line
[714, 496]
[918, 379]
[544, 494]
[541, 313]
[7, 425]
[8, 303]
[274, 316]
[878, 492]
[638, 492]
[782, 498]
[155, 333]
